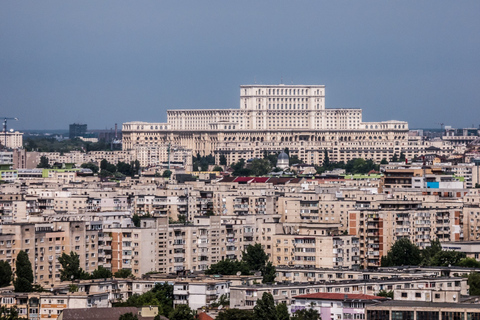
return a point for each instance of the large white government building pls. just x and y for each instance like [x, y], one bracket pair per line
[270, 119]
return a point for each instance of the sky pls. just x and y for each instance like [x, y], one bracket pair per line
[106, 62]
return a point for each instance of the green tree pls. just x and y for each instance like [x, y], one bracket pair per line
[259, 167]
[161, 295]
[167, 173]
[43, 163]
[182, 312]
[402, 253]
[239, 168]
[135, 167]
[447, 258]
[217, 168]
[24, 267]
[24, 273]
[128, 316]
[386, 294]
[429, 252]
[223, 160]
[474, 283]
[124, 168]
[402, 157]
[136, 220]
[107, 168]
[469, 263]
[8, 313]
[265, 308]
[72, 288]
[272, 158]
[306, 314]
[228, 267]
[101, 273]
[123, 273]
[235, 314]
[326, 159]
[269, 273]
[255, 257]
[282, 311]
[5, 274]
[294, 160]
[394, 158]
[70, 267]
[384, 161]
[91, 166]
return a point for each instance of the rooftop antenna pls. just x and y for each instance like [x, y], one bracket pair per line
[281, 80]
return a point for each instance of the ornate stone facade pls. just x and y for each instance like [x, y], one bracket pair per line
[270, 119]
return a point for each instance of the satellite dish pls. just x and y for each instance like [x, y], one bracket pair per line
[239, 273]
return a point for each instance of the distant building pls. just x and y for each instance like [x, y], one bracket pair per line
[11, 139]
[270, 119]
[77, 130]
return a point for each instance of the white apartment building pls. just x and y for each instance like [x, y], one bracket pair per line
[270, 119]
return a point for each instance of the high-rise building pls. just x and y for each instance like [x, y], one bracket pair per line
[77, 130]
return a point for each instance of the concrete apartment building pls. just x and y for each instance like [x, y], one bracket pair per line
[298, 224]
[246, 296]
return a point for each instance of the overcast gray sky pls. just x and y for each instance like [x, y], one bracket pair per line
[107, 62]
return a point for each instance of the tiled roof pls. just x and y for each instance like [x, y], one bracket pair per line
[338, 296]
[97, 313]
[203, 316]
[243, 179]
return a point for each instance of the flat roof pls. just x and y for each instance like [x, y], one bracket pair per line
[424, 304]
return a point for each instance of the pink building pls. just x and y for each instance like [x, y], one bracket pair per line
[335, 306]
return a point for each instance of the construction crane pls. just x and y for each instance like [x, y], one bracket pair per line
[5, 128]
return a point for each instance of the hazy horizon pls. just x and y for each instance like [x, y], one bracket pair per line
[108, 62]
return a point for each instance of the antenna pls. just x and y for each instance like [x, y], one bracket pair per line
[281, 80]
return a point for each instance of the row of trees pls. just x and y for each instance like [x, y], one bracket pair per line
[254, 258]
[108, 169]
[405, 253]
[201, 163]
[70, 271]
[354, 166]
[23, 271]
[64, 146]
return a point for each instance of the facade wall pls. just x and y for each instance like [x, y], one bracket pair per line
[270, 119]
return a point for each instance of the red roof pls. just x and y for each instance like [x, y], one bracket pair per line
[243, 179]
[338, 296]
[203, 316]
[260, 179]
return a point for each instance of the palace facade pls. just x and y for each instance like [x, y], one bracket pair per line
[270, 119]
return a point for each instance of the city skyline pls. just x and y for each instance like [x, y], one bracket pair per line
[106, 63]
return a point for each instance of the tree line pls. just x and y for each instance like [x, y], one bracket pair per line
[405, 253]
[52, 144]
[70, 271]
